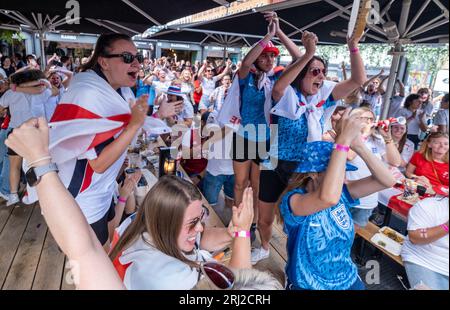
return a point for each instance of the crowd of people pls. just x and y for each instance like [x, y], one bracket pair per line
[288, 143]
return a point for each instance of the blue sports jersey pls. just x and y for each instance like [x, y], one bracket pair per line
[319, 245]
[252, 107]
[292, 134]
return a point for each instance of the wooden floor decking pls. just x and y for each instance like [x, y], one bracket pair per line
[31, 260]
[29, 256]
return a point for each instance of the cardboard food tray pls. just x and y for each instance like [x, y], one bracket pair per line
[387, 243]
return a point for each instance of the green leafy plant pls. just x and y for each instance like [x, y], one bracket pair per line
[8, 35]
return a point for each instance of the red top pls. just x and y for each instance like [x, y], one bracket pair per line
[197, 96]
[5, 123]
[425, 168]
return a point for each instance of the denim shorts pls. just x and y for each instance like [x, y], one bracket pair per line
[361, 216]
[213, 184]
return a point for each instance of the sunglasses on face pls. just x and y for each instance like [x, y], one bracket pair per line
[127, 57]
[317, 71]
[218, 275]
[192, 224]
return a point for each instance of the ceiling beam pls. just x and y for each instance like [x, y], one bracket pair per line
[426, 29]
[371, 27]
[143, 13]
[120, 26]
[96, 22]
[442, 7]
[443, 36]
[416, 17]
[320, 20]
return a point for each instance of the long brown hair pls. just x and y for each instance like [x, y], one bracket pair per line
[297, 180]
[102, 47]
[425, 150]
[161, 216]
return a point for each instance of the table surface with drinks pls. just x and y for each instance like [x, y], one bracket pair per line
[403, 196]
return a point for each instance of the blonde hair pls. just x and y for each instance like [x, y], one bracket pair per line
[297, 180]
[246, 279]
[161, 216]
[425, 148]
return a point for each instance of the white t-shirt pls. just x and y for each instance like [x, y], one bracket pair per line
[378, 148]
[186, 90]
[413, 125]
[408, 150]
[151, 269]
[52, 102]
[23, 106]
[218, 97]
[375, 100]
[441, 118]
[160, 87]
[428, 213]
[396, 104]
[94, 191]
[219, 155]
[208, 86]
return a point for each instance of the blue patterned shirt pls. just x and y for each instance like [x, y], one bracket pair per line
[252, 107]
[292, 134]
[319, 245]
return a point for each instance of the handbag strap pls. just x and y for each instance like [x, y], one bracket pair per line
[435, 172]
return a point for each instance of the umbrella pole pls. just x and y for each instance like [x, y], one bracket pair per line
[41, 43]
[397, 53]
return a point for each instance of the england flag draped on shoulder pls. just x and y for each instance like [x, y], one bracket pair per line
[88, 115]
[293, 105]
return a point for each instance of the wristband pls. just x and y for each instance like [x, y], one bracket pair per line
[39, 160]
[122, 200]
[342, 148]
[263, 44]
[242, 233]
[387, 141]
[445, 227]
[354, 50]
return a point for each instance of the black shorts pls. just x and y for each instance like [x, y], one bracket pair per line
[10, 152]
[244, 150]
[101, 226]
[272, 183]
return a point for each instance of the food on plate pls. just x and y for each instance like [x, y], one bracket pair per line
[392, 235]
[381, 243]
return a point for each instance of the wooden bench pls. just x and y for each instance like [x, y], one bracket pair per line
[367, 233]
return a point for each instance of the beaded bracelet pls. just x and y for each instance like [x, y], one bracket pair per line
[122, 200]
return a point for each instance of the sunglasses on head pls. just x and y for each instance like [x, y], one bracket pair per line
[316, 71]
[218, 275]
[127, 57]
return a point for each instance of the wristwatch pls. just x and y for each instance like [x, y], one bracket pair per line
[34, 174]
